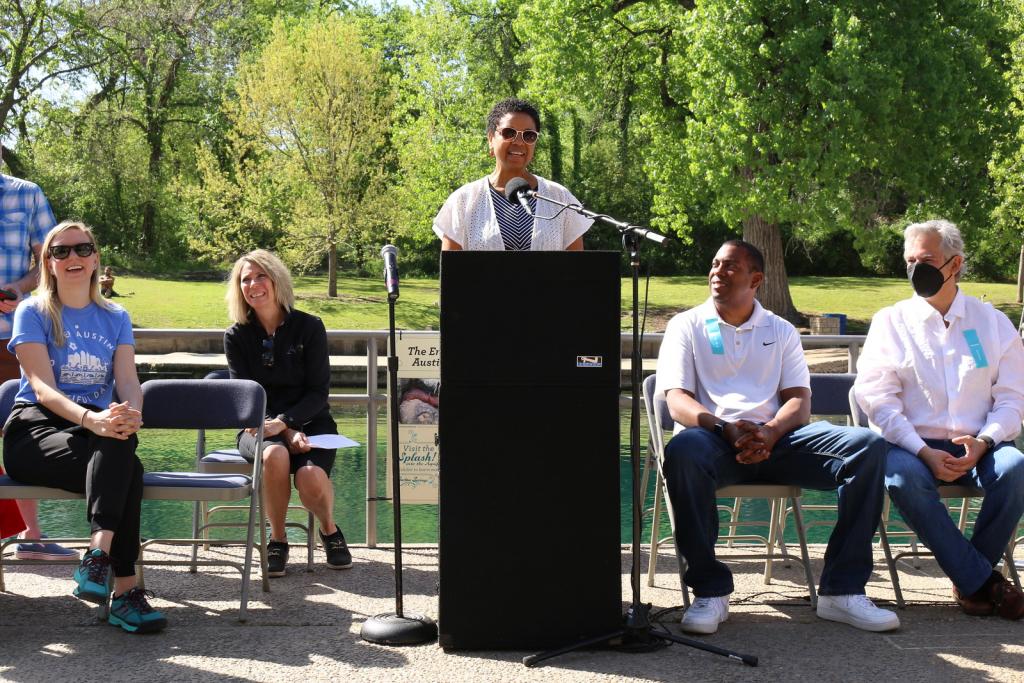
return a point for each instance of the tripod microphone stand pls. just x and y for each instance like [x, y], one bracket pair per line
[396, 628]
[637, 633]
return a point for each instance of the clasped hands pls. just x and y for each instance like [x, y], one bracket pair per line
[119, 421]
[948, 467]
[754, 442]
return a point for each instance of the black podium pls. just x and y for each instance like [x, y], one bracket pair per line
[529, 448]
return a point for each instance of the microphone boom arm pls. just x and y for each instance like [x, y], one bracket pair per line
[621, 226]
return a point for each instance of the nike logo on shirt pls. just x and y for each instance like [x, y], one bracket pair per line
[768, 343]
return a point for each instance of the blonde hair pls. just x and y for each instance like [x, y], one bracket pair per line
[238, 309]
[47, 299]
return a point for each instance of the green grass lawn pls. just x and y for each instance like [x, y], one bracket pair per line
[361, 304]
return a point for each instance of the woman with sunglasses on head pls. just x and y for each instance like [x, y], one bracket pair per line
[477, 216]
[67, 429]
[285, 351]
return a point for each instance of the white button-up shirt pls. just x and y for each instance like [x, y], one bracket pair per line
[734, 372]
[919, 379]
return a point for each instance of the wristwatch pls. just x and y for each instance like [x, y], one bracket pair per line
[989, 441]
[719, 428]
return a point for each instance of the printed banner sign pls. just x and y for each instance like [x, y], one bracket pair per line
[419, 381]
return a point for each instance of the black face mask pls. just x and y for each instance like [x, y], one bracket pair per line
[926, 279]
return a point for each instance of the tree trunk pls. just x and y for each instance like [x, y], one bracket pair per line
[155, 139]
[554, 146]
[332, 270]
[774, 292]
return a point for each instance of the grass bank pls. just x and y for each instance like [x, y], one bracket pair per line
[361, 304]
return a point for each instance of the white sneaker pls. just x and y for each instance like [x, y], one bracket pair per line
[705, 614]
[857, 611]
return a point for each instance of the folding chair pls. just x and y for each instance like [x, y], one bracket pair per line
[659, 420]
[199, 404]
[946, 492]
[230, 461]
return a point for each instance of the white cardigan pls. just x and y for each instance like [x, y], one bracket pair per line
[467, 218]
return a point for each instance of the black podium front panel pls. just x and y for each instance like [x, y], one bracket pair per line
[529, 447]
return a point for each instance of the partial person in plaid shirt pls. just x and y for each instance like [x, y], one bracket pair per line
[25, 219]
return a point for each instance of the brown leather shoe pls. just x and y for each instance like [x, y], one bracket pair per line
[999, 597]
[1008, 599]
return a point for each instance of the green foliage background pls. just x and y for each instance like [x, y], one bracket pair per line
[837, 121]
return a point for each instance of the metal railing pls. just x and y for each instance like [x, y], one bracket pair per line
[372, 343]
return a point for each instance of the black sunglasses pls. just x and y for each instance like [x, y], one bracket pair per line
[529, 135]
[62, 251]
[268, 352]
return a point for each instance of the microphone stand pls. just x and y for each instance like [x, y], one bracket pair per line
[397, 628]
[637, 633]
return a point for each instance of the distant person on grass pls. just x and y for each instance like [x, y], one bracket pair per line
[67, 431]
[25, 218]
[478, 217]
[734, 375]
[941, 377]
[285, 351]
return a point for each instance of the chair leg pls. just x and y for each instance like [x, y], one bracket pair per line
[652, 565]
[681, 566]
[263, 542]
[894, 576]
[734, 519]
[780, 536]
[255, 512]
[310, 542]
[1011, 566]
[196, 514]
[773, 527]
[798, 519]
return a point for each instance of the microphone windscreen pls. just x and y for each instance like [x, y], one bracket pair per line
[514, 187]
[389, 249]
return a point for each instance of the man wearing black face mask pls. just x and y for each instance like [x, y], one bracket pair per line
[941, 377]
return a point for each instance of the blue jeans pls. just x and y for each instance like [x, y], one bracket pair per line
[913, 489]
[817, 456]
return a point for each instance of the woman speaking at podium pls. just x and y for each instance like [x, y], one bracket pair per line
[478, 217]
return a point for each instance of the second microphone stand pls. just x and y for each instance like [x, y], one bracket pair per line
[396, 628]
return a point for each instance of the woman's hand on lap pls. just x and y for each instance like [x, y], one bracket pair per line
[297, 441]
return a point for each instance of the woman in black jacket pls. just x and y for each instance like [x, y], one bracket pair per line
[285, 351]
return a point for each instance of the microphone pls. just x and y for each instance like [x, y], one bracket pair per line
[519, 189]
[390, 255]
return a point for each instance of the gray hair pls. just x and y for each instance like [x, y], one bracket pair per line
[951, 240]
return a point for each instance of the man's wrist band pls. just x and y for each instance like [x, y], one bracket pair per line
[989, 441]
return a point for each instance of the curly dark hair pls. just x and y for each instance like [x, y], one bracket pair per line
[511, 106]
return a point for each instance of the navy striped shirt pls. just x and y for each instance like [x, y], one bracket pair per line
[515, 224]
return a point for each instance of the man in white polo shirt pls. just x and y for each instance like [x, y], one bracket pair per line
[942, 378]
[735, 377]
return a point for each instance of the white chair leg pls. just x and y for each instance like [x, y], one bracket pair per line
[652, 565]
[801, 533]
[773, 527]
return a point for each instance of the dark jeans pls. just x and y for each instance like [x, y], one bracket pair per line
[817, 456]
[914, 490]
[44, 449]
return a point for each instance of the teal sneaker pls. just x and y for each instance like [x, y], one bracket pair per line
[93, 577]
[132, 612]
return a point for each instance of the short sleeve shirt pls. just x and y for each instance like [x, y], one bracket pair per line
[734, 372]
[25, 218]
[84, 366]
[467, 218]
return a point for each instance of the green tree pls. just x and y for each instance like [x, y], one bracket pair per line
[318, 101]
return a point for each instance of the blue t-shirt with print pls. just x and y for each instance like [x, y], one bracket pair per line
[84, 366]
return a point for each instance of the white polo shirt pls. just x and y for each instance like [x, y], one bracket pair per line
[734, 372]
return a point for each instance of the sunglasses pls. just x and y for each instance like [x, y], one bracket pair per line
[268, 352]
[62, 251]
[529, 135]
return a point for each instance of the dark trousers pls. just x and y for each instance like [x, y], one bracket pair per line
[44, 449]
[816, 456]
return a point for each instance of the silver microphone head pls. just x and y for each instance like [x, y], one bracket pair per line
[389, 249]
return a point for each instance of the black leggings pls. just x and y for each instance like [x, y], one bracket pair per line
[43, 449]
